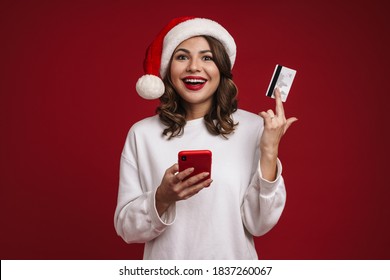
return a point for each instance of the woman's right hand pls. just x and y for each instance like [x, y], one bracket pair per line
[177, 186]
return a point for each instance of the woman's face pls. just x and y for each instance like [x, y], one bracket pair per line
[194, 74]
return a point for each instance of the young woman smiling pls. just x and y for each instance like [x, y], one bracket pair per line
[188, 66]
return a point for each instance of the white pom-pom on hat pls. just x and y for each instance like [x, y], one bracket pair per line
[150, 87]
[159, 53]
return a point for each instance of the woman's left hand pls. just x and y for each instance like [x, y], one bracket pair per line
[275, 126]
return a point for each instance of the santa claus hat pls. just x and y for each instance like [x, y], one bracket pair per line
[158, 54]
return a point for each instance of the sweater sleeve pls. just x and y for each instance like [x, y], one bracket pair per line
[136, 218]
[263, 202]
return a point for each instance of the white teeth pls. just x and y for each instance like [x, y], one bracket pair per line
[194, 81]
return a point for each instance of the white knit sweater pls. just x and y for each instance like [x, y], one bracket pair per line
[217, 223]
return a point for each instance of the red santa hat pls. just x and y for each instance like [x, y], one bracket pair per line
[158, 55]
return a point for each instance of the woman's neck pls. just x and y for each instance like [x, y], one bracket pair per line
[196, 111]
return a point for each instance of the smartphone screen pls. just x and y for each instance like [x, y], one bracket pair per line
[200, 160]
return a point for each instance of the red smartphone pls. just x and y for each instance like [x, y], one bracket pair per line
[200, 160]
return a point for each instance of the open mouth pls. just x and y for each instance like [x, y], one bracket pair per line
[194, 83]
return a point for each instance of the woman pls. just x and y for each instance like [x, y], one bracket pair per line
[180, 217]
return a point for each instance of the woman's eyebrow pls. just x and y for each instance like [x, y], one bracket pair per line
[187, 51]
[183, 50]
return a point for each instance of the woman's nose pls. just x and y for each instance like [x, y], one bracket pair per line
[193, 66]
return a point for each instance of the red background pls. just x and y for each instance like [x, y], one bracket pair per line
[67, 85]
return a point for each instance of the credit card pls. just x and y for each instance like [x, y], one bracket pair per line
[282, 78]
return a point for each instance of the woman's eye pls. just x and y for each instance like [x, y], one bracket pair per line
[207, 58]
[181, 57]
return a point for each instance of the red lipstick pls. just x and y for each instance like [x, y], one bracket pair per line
[194, 82]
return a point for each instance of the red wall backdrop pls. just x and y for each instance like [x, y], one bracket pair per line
[67, 87]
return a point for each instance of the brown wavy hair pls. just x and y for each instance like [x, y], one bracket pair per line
[218, 120]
